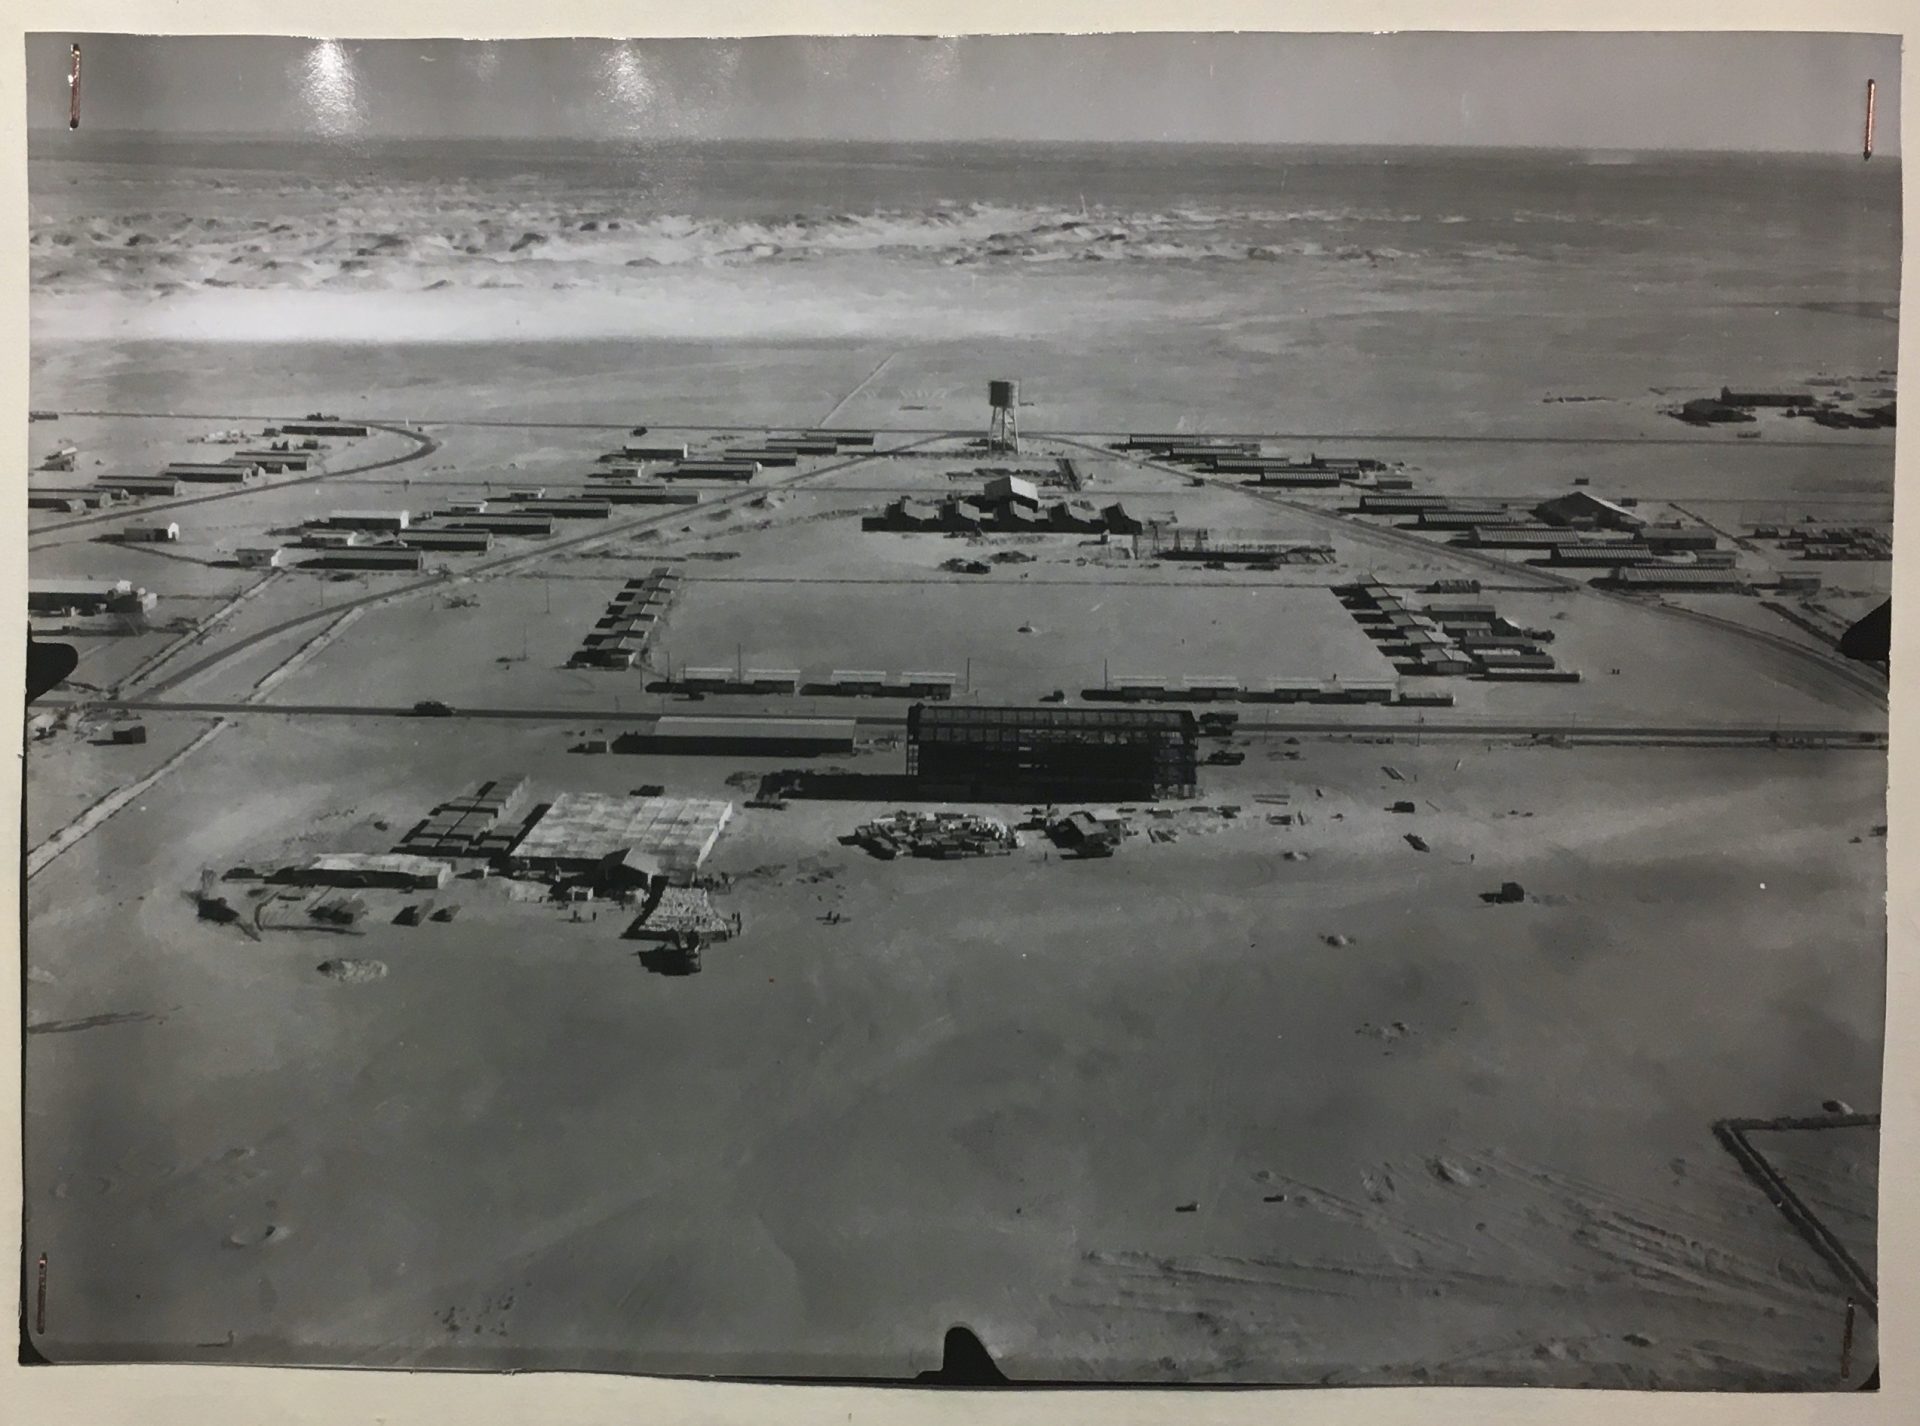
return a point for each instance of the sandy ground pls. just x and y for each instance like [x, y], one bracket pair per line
[70, 772]
[1457, 1142]
[912, 1116]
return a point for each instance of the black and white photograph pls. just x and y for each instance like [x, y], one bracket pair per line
[1184, 709]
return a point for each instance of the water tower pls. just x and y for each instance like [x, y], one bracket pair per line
[1003, 427]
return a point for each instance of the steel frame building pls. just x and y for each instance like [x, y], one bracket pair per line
[1053, 754]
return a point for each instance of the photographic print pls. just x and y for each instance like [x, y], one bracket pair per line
[1180, 709]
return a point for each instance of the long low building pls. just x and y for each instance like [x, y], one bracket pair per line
[749, 737]
[1600, 554]
[389, 869]
[391, 520]
[640, 495]
[713, 470]
[139, 484]
[378, 559]
[289, 460]
[212, 472]
[1291, 479]
[321, 428]
[564, 508]
[1502, 538]
[501, 522]
[80, 597]
[1688, 579]
[470, 541]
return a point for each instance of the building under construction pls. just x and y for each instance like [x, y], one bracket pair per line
[1056, 754]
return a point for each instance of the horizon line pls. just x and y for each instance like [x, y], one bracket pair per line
[694, 140]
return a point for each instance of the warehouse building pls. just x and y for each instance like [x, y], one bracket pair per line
[374, 559]
[1580, 508]
[459, 541]
[69, 497]
[1402, 504]
[654, 452]
[740, 737]
[1730, 397]
[1628, 553]
[1684, 579]
[1472, 519]
[390, 521]
[1677, 539]
[320, 428]
[80, 598]
[139, 485]
[734, 680]
[260, 557]
[1541, 538]
[150, 534]
[565, 508]
[768, 457]
[387, 869]
[279, 460]
[578, 832]
[502, 522]
[212, 472]
[639, 495]
[1052, 753]
[1287, 476]
[713, 470]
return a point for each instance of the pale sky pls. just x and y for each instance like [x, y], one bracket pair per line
[1630, 91]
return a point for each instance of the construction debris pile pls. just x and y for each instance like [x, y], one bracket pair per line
[936, 834]
[682, 911]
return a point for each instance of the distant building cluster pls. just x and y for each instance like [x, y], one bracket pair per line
[1436, 640]
[1829, 542]
[1577, 533]
[1225, 456]
[1732, 407]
